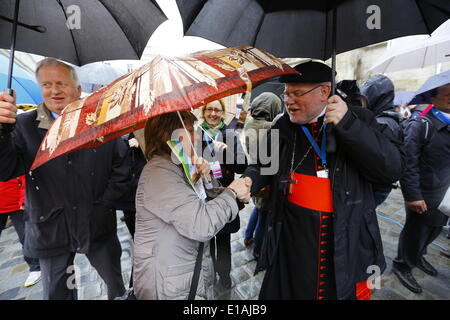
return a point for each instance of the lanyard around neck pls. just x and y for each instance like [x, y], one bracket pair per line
[321, 152]
[211, 147]
[440, 116]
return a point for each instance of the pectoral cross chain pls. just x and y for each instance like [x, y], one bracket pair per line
[291, 182]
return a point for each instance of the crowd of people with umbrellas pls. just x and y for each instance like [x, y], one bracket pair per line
[334, 151]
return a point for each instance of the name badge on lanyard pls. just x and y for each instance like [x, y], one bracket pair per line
[215, 165]
[322, 173]
[321, 152]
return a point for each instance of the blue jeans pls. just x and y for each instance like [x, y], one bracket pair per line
[254, 229]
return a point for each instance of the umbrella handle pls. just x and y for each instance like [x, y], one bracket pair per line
[329, 130]
[207, 181]
[331, 139]
[8, 127]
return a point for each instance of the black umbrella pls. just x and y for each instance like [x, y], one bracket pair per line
[313, 29]
[304, 28]
[273, 85]
[78, 31]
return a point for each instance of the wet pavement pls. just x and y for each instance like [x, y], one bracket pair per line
[14, 270]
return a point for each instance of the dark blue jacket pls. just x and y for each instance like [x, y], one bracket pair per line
[232, 161]
[427, 171]
[379, 92]
[70, 199]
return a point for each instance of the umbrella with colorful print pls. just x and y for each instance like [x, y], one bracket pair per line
[166, 84]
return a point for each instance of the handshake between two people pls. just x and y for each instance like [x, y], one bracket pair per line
[240, 186]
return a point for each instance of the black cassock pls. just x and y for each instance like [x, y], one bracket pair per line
[303, 266]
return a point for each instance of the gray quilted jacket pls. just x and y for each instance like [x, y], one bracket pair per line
[170, 222]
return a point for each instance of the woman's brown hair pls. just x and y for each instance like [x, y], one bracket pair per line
[159, 129]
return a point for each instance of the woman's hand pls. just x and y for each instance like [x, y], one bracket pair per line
[202, 166]
[242, 188]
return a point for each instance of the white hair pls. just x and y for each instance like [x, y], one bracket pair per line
[52, 62]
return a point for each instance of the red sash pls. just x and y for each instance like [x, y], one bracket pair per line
[362, 291]
[311, 192]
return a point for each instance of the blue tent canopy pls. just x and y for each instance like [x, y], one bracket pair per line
[27, 90]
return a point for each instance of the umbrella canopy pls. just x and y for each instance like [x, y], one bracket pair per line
[417, 53]
[23, 82]
[313, 29]
[166, 84]
[304, 28]
[422, 96]
[99, 73]
[80, 31]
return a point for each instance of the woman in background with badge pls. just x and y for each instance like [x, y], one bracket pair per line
[223, 150]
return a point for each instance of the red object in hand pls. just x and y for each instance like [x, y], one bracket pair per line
[13, 195]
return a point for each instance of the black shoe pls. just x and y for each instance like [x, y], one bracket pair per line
[225, 281]
[445, 253]
[426, 267]
[407, 279]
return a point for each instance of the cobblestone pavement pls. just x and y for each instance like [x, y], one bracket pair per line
[14, 271]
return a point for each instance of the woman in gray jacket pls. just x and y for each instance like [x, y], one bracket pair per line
[171, 219]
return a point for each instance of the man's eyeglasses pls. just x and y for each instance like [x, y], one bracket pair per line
[210, 110]
[297, 93]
